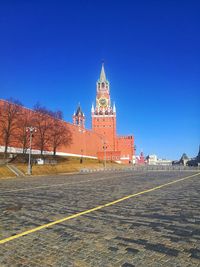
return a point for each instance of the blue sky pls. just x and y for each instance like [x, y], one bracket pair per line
[51, 52]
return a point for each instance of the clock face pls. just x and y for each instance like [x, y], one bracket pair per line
[103, 102]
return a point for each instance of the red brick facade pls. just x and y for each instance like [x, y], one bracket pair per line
[100, 142]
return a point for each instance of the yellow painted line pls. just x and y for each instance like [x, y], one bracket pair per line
[5, 240]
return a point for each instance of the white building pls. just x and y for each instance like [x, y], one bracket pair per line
[164, 162]
[153, 160]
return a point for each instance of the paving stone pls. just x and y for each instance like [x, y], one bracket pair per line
[159, 228]
[126, 264]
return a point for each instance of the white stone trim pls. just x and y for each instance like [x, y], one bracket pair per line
[103, 116]
[34, 151]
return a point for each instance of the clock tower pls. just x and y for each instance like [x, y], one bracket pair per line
[104, 113]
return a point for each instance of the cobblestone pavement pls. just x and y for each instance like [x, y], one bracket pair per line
[158, 228]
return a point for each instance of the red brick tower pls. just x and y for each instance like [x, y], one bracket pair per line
[104, 114]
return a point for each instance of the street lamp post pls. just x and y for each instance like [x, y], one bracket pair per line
[135, 153]
[102, 137]
[81, 160]
[30, 130]
[104, 149]
[82, 131]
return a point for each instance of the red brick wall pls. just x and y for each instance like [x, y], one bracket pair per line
[90, 142]
[125, 145]
[84, 142]
[109, 155]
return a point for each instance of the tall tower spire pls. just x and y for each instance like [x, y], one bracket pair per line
[102, 75]
[103, 102]
[114, 108]
[103, 114]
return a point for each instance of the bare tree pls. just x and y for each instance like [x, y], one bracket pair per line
[60, 133]
[25, 120]
[43, 123]
[9, 114]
